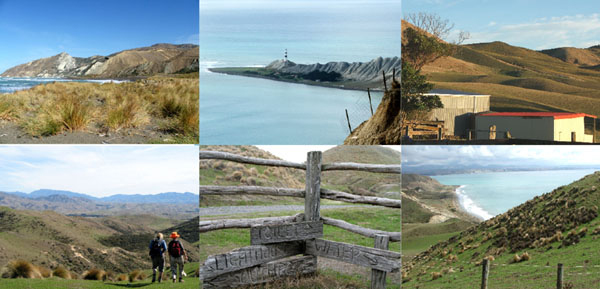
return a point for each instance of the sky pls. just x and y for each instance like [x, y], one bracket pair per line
[99, 170]
[33, 29]
[534, 24]
[297, 153]
[291, 4]
[416, 159]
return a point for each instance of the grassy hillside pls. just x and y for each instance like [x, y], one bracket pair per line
[520, 79]
[558, 227]
[50, 239]
[227, 173]
[362, 183]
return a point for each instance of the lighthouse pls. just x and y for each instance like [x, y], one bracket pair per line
[285, 56]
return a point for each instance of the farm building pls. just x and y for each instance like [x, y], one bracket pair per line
[552, 126]
[459, 109]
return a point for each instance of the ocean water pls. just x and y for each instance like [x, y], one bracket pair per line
[244, 110]
[12, 84]
[490, 194]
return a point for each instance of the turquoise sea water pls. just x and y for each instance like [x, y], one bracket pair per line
[11, 84]
[490, 194]
[243, 110]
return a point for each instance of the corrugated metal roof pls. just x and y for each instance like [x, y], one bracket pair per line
[555, 115]
[452, 92]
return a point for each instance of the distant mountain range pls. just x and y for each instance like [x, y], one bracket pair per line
[172, 205]
[144, 61]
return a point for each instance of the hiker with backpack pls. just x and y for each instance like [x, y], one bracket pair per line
[177, 257]
[158, 247]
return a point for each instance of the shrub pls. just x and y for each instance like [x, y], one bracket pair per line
[21, 269]
[45, 272]
[436, 275]
[61, 272]
[94, 274]
[136, 275]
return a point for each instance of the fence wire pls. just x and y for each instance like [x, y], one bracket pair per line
[360, 111]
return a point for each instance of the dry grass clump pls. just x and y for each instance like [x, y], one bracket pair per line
[136, 275]
[436, 275]
[172, 104]
[94, 274]
[524, 257]
[21, 269]
[45, 272]
[122, 277]
[126, 112]
[62, 272]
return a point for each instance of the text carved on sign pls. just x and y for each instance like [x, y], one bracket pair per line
[286, 232]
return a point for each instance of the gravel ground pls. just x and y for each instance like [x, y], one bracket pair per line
[214, 211]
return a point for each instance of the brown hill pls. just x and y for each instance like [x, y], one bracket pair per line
[50, 239]
[582, 57]
[144, 61]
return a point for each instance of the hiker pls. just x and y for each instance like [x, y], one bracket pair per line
[177, 256]
[158, 247]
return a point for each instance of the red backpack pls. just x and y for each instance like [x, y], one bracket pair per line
[175, 248]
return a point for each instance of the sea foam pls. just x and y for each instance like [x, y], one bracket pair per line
[470, 206]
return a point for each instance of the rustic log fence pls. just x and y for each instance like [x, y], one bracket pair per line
[276, 242]
[424, 129]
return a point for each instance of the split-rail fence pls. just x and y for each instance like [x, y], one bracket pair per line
[278, 242]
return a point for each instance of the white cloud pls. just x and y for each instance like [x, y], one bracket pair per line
[577, 30]
[100, 170]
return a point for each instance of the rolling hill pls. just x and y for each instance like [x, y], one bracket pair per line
[521, 79]
[50, 239]
[561, 226]
[144, 61]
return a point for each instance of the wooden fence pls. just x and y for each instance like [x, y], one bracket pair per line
[424, 129]
[276, 242]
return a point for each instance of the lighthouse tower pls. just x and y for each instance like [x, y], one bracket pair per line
[285, 58]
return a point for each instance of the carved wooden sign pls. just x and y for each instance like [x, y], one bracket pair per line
[383, 260]
[285, 232]
[248, 257]
[269, 272]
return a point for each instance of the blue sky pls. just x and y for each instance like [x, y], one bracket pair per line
[31, 29]
[99, 170]
[416, 159]
[534, 24]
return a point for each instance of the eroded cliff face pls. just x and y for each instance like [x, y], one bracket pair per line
[355, 71]
[384, 126]
[145, 61]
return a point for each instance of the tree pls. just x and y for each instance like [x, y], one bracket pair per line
[436, 26]
[414, 104]
[420, 49]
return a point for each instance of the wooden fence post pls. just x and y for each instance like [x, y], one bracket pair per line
[559, 276]
[348, 119]
[312, 199]
[485, 273]
[378, 277]
[370, 103]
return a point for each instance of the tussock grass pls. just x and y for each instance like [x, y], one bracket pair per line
[136, 275]
[21, 269]
[122, 277]
[45, 272]
[167, 104]
[62, 272]
[94, 274]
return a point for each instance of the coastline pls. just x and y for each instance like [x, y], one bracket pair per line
[466, 205]
[251, 72]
